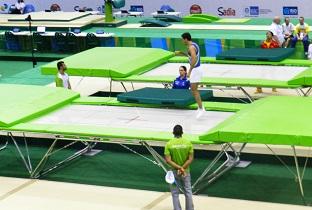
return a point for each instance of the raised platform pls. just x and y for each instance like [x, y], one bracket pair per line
[60, 21]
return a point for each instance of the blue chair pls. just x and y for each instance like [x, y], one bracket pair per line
[166, 8]
[29, 8]
[118, 3]
[12, 9]
[11, 41]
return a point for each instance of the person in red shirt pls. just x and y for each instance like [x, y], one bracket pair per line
[269, 43]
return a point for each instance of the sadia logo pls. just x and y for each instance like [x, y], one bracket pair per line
[226, 12]
[290, 11]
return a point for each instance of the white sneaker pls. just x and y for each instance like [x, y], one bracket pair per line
[200, 113]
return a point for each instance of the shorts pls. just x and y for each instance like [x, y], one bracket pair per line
[196, 75]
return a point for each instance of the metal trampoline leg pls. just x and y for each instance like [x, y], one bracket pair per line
[124, 87]
[158, 158]
[40, 171]
[4, 146]
[308, 92]
[27, 162]
[299, 176]
[246, 94]
[228, 164]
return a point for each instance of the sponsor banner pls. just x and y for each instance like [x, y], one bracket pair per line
[225, 8]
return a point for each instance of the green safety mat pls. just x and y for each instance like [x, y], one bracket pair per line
[280, 120]
[285, 62]
[162, 96]
[112, 101]
[111, 62]
[256, 54]
[25, 102]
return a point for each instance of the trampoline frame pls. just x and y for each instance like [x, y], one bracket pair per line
[39, 170]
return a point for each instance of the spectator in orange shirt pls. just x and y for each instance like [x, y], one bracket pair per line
[269, 43]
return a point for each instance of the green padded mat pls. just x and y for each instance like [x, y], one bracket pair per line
[256, 54]
[200, 18]
[106, 134]
[227, 82]
[111, 101]
[281, 120]
[111, 62]
[285, 62]
[25, 102]
[162, 96]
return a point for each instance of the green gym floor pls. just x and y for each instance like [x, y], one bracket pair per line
[21, 72]
[264, 180]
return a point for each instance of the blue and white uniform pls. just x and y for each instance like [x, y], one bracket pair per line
[197, 72]
[181, 83]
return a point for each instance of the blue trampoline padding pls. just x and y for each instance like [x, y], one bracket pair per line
[162, 96]
[256, 54]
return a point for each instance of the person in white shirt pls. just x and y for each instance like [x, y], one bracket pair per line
[288, 31]
[20, 5]
[62, 79]
[277, 30]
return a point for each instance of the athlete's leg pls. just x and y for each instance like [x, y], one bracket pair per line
[195, 92]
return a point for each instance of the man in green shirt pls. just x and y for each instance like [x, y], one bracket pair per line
[179, 155]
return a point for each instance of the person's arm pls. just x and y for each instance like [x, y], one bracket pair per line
[180, 53]
[174, 85]
[69, 85]
[193, 60]
[172, 163]
[188, 161]
[307, 30]
[188, 84]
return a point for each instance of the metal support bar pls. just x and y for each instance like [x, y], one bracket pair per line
[4, 146]
[228, 164]
[124, 87]
[26, 163]
[299, 177]
[158, 158]
[246, 94]
[67, 160]
[40, 167]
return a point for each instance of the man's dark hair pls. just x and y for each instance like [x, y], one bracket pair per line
[301, 18]
[177, 131]
[187, 36]
[271, 33]
[60, 64]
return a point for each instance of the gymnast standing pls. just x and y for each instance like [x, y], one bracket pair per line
[195, 73]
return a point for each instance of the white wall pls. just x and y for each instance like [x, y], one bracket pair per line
[267, 8]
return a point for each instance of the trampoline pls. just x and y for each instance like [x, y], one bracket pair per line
[239, 76]
[59, 114]
[111, 62]
[56, 113]
[271, 127]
